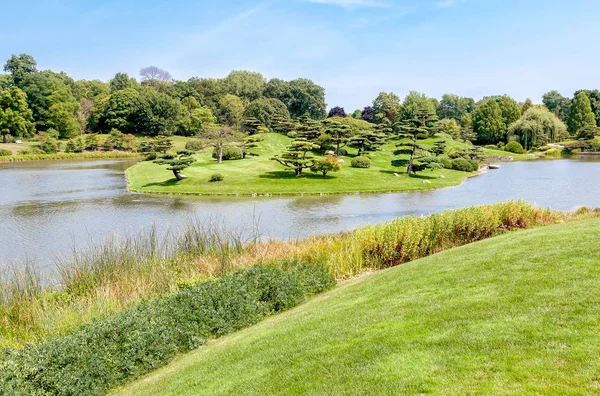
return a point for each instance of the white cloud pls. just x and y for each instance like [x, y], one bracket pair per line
[351, 3]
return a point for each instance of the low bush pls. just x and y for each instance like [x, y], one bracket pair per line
[454, 154]
[108, 352]
[217, 177]
[446, 163]
[491, 146]
[343, 152]
[360, 162]
[514, 147]
[552, 152]
[230, 153]
[49, 146]
[423, 136]
[5, 153]
[194, 145]
[464, 165]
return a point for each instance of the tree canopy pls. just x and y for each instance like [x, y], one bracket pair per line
[537, 127]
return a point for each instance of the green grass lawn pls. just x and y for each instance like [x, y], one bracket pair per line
[516, 314]
[260, 175]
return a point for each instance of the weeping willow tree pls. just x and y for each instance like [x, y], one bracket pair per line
[537, 127]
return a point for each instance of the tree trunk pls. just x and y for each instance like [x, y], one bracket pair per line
[409, 170]
[337, 151]
[220, 154]
[298, 172]
[178, 175]
[4, 139]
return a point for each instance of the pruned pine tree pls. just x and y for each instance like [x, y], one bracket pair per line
[297, 156]
[411, 131]
[251, 125]
[307, 128]
[340, 133]
[385, 129]
[367, 140]
[439, 148]
[283, 125]
[176, 162]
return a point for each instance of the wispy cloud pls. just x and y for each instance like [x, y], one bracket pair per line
[448, 3]
[349, 4]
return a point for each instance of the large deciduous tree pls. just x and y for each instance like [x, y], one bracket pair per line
[488, 122]
[15, 115]
[337, 111]
[368, 114]
[387, 108]
[122, 81]
[537, 127]
[231, 110]
[19, 67]
[301, 96]
[581, 114]
[246, 85]
[219, 137]
[156, 78]
[267, 110]
[454, 107]
[557, 104]
[416, 104]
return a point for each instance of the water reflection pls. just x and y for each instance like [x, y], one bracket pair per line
[46, 207]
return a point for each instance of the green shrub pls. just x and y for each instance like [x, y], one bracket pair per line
[230, 153]
[514, 147]
[552, 152]
[108, 352]
[360, 162]
[422, 136]
[544, 148]
[454, 154]
[194, 145]
[49, 146]
[446, 163]
[491, 146]
[464, 165]
[343, 152]
[217, 177]
[5, 153]
[500, 145]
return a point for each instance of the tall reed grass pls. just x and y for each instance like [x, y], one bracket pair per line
[108, 277]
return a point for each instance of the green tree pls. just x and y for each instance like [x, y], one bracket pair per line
[488, 123]
[454, 107]
[387, 108]
[176, 162]
[509, 108]
[367, 140]
[15, 115]
[194, 119]
[339, 133]
[594, 97]
[231, 110]
[297, 156]
[247, 86]
[265, 110]
[122, 81]
[325, 165]
[219, 137]
[307, 128]
[557, 104]
[581, 114]
[301, 96]
[416, 103]
[19, 67]
[528, 104]
[537, 127]
[61, 112]
[439, 148]
[411, 132]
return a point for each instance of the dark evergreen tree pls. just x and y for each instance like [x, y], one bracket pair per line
[297, 156]
[176, 162]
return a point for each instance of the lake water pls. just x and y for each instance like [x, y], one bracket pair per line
[49, 206]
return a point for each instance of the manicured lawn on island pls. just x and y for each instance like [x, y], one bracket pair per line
[260, 175]
[516, 314]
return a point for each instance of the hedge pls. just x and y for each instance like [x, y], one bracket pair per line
[113, 350]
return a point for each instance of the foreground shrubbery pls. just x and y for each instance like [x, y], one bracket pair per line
[117, 275]
[107, 352]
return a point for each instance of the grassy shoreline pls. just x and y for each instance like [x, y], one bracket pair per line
[259, 176]
[515, 314]
[67, 156]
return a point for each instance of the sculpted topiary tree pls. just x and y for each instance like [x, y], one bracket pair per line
[297, 156]
[339, 133]
[439, 148]
[307, 128]
[176, 162]
[411, 131]
[367, 140]
[283, 125]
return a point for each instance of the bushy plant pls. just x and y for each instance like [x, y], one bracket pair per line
[454, 154]
[5, 153]
[107, 352]
[326, 165]
[514, 147]
[230, 153]
[217, 177]
[49, 146]
[194, 145]
[360, 162]
[552, 152]
[491, 146]
[464, 165]
[422, 136]
[343, 152]
[446, 163]
[544, 148]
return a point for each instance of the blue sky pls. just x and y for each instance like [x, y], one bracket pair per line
[354, 48]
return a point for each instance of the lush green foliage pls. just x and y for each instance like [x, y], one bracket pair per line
[216, 177]
[463, 165]
[514, 147]
[581, 114]
[230, 152]
[107, 352]
[537, 127]
[330, 163]
[360, 162]
[5, 153]
[515, 314]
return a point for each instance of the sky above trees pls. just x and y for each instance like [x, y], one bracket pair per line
[353, 48]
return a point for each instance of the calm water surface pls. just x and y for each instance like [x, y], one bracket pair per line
[47, 207]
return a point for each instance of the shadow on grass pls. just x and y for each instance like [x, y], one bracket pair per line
[403, 172]
[167, 183]
[289, 175]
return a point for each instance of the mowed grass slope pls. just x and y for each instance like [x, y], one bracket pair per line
[516, 314]
[260, 175]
